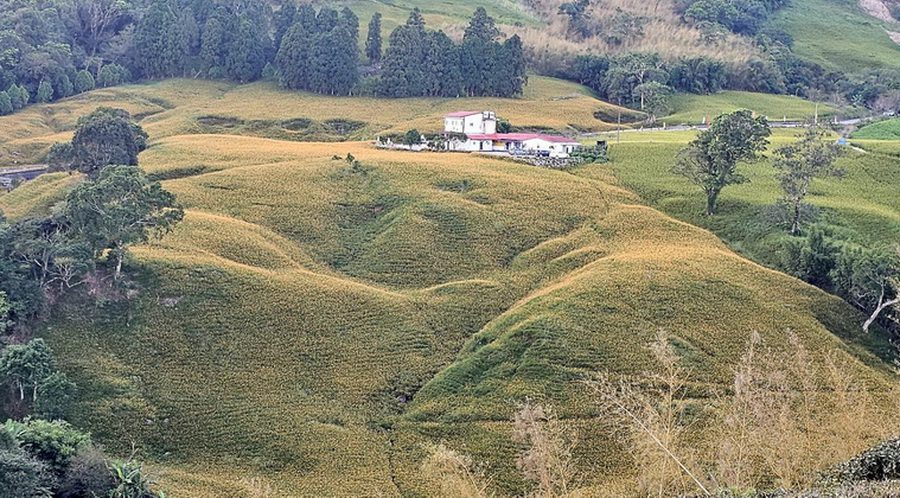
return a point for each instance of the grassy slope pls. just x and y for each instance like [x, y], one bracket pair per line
[882, 130]
[838, 35]
[438, 14]
[864, 203]
[278, 326]
[694, 109]
[174, 107]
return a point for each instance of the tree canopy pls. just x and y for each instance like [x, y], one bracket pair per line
[104, 137]
[710, 161]
[319, 52]
[419, 62]
[121, 207]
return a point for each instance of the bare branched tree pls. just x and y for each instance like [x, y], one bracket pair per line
[547, 456]
[791, 415]
[455, 474]
[653, 422]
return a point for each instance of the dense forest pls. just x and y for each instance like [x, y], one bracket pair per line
[51, 50]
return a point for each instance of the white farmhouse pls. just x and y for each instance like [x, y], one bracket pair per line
[480, 131]
[470, 122]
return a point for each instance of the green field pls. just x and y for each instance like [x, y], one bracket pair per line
[883, 130]
[838, 35]
[695, 109]
[440, 14]
[310, 326]
[864, 204]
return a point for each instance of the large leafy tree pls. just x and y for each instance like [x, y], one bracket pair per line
[104, 137]
[24, 367]
[655, 99]
[798, 164]
[710, 161]
[121, 207]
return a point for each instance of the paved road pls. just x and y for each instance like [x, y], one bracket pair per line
[20, 173]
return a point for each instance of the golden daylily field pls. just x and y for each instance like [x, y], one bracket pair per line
[311, 326]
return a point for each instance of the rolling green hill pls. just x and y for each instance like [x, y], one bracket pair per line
[883, 130]
[311, 326]
[838, 35]
[695, 109]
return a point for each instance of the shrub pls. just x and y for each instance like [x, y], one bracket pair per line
[87, 475]
[18, 96]
[44, 92]
[55, 443]
[5, 104]
[60, 156]
[412, 137]
[62, 87]
[130, 481]
[84, 81]
[879, 463]
[113, 75]
[811, 258]
[21, 475]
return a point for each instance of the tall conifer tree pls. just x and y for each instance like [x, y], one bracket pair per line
[373, 39]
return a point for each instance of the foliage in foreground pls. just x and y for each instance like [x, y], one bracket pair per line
[768, 435]
[41, 458]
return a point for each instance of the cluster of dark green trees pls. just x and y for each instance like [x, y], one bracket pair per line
[318, 51]
[615, 78]
[81, 242]
[420, 62]
[228, 40]
[52, 50]
[52, 458]
[777, 70]
[743, 17]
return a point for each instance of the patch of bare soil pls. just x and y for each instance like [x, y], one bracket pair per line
[877, 8]
[894, 36]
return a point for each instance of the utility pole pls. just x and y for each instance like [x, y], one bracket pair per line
[619, 127]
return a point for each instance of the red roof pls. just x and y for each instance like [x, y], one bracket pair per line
[461, 114]
[521, 137]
